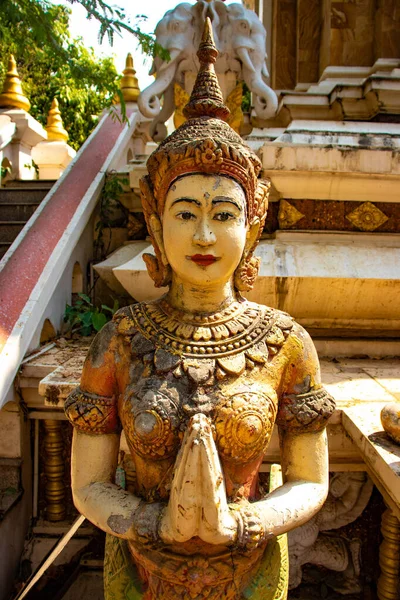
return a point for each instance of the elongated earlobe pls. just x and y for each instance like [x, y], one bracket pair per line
[247, 271]
[157, 266]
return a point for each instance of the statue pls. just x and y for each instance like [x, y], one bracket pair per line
[197, 381]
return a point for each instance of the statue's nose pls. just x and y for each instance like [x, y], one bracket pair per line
[204, 236]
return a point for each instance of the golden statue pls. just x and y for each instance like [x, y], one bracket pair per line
[197, 381]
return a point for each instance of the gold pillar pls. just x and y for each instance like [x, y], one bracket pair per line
[389, 558]
[54, 470]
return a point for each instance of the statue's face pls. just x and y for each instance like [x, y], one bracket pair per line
[204, 228]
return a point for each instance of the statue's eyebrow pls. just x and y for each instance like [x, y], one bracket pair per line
[184, 199]
[224, 199]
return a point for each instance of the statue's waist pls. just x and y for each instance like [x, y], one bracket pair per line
[185, 569]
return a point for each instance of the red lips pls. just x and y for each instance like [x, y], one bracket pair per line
[203, 260]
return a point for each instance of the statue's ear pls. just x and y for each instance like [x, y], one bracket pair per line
[252, 236]
[156, 234]
[157, 266]
[247, 271]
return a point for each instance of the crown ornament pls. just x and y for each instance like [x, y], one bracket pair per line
[206, 98]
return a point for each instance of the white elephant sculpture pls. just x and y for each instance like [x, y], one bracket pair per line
[175, 32]
[247, 37]
[240, 38]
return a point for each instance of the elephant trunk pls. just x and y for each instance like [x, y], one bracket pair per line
[265, 99]
[149, 99]
[158, 129]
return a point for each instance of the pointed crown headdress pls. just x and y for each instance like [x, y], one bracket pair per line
[205, 143]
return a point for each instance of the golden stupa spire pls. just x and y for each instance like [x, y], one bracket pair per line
[206, 98]
[129, 84]
[12, 95]
[55, 128]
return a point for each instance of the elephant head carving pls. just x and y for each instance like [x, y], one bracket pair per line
[240, 38]
[247, 39]
[175, 32]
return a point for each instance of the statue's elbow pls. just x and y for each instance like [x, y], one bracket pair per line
[79, 499]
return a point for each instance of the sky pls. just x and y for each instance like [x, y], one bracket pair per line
[80, 26]
[88, 30]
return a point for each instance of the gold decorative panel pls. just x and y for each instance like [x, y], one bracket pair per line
[288, 215]
[367, 217]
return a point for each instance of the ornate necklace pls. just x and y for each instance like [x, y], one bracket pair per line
[238, 337]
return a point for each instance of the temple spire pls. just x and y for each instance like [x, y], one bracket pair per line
[206, 99]
[12, 95]
[129, 84]
[55, 128]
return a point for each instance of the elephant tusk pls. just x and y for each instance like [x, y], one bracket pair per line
[265, 99]
[149, 99]
[243, 54]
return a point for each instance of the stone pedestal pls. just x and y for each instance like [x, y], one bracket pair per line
[52, 158]
[28, 134]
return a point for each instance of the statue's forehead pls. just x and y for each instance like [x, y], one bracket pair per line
[205, 186]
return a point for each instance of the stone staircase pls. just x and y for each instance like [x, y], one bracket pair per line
[18, 202]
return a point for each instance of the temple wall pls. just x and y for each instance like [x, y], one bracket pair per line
[310, 35]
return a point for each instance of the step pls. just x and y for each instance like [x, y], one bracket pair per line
[45, 184]
[17, 212]
[4, 246]
[10, 229]
[20, 196]
[88, 584]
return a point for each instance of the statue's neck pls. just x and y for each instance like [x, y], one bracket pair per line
[200, 299]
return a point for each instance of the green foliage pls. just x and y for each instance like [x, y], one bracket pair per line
[36, 15]
[4, 171]
[246, 99]
[51, 65]
[112, 213]
[85, 318]
[113, 20]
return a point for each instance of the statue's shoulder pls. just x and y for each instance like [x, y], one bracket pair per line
[124, 321]
[273, 317]
[284, 321]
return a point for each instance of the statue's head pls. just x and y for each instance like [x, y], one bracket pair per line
[202, 199]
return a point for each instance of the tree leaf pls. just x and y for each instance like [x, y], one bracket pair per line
[87, 318]
[99, 320]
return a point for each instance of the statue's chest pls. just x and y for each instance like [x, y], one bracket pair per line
[156, 411]
[217, 368]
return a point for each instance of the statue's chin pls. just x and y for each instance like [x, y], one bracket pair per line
[203, 277]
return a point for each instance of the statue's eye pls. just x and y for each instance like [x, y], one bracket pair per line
[186, 215]
[223, 216]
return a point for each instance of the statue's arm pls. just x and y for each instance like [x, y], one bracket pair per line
[93, 411]
[93, 466]
[303, 411]
[305, 472]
